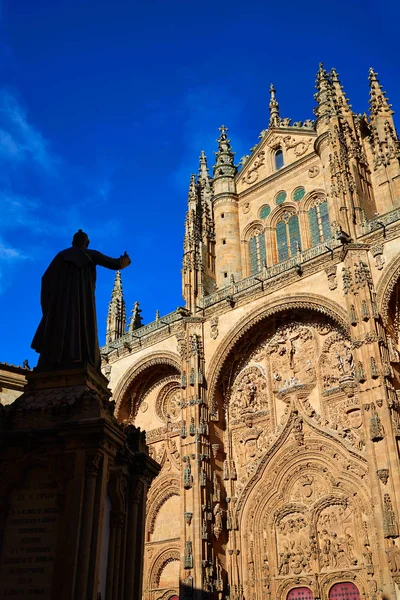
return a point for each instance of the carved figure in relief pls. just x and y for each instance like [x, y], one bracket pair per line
[292, 353]
[295, 553]
[249, 392]
[337, 544]
[393, 554]
[337, 361]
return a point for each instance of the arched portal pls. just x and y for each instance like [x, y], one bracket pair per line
[344, 591]
[300, 593]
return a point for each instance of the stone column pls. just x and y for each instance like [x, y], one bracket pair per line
[91, 469]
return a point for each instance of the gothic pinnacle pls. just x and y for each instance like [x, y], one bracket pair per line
[324, 93]
[274, 118]
[342, 103]
[377, 98]
[224, 166]
[204, 177]
[136, 318]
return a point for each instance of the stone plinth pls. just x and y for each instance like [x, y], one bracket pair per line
[73, 487]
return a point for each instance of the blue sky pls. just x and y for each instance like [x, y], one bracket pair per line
[105, 106]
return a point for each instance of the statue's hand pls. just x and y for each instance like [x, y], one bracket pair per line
[125, 260]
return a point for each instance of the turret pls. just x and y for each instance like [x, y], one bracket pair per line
[116, 318]
[226, 214]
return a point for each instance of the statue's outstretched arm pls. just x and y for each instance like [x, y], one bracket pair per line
[109, 263]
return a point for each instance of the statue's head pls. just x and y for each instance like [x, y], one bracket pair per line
[80, 239]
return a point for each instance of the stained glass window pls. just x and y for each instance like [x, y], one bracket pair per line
[257, 251]
[288, 239]
[298, 194]
[280, 198]
[264, 211]
[281, 241]
[318, 220]
[344, 591]
[302, 593]
[278, 159]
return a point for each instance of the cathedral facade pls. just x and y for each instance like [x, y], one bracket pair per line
[271, 399]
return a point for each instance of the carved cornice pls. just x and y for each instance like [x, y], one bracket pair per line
[305, 302]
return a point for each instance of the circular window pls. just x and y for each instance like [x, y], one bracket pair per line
[264, 211]
[298, 194]
[281, 197]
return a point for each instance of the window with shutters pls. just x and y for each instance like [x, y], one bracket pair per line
[288, 240]
[318, 220]
[257, 250]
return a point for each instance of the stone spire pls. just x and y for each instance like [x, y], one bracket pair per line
[224, 166]
[274, 118]
[116, 318]
[204, 178]
[324, 94]
[341, 102]
[136, 318]
[379, 104]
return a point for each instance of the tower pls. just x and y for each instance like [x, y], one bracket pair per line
[226, 214]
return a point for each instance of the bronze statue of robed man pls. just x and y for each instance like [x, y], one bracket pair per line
[67, 334]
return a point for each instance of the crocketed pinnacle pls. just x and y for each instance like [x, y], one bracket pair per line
[204, 176]
[116, 317]
[224, 166]
[378, 102]
[324, 93]
[274, 118]
[136, 318]
[340, 100]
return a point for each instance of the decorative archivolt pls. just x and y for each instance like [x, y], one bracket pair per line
[254, 228]
[303, 302]
[283, 213]
[385, 288]
[313, 198]
[163, 490]
[152, 360]
[160, 562]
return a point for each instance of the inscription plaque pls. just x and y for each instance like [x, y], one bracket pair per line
[29, 539]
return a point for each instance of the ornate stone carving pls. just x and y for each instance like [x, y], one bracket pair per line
[218, 525]
[187, 473]
[252, 173]
[375, 425]
[188, 517]
[299, 146]
[249, 392]
[188, 557]
[313, 172]
[214, 328]
[168, 402]
[292, 355]
[337, 537]
[331, 274]
[383, 475]
[393, 555]
[390, 528]
[336, 360]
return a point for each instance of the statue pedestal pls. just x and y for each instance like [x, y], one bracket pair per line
[73, 486]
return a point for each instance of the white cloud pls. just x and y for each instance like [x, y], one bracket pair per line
[19, 139]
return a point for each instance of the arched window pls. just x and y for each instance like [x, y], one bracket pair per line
[288, 239]
[302, 593]
[318, 219]
[278, 159]
[257, 253]
[344, 591]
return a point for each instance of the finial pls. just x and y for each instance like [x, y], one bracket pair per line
[324, 93]
[117, 283]
[274, 119]
[157, 316]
